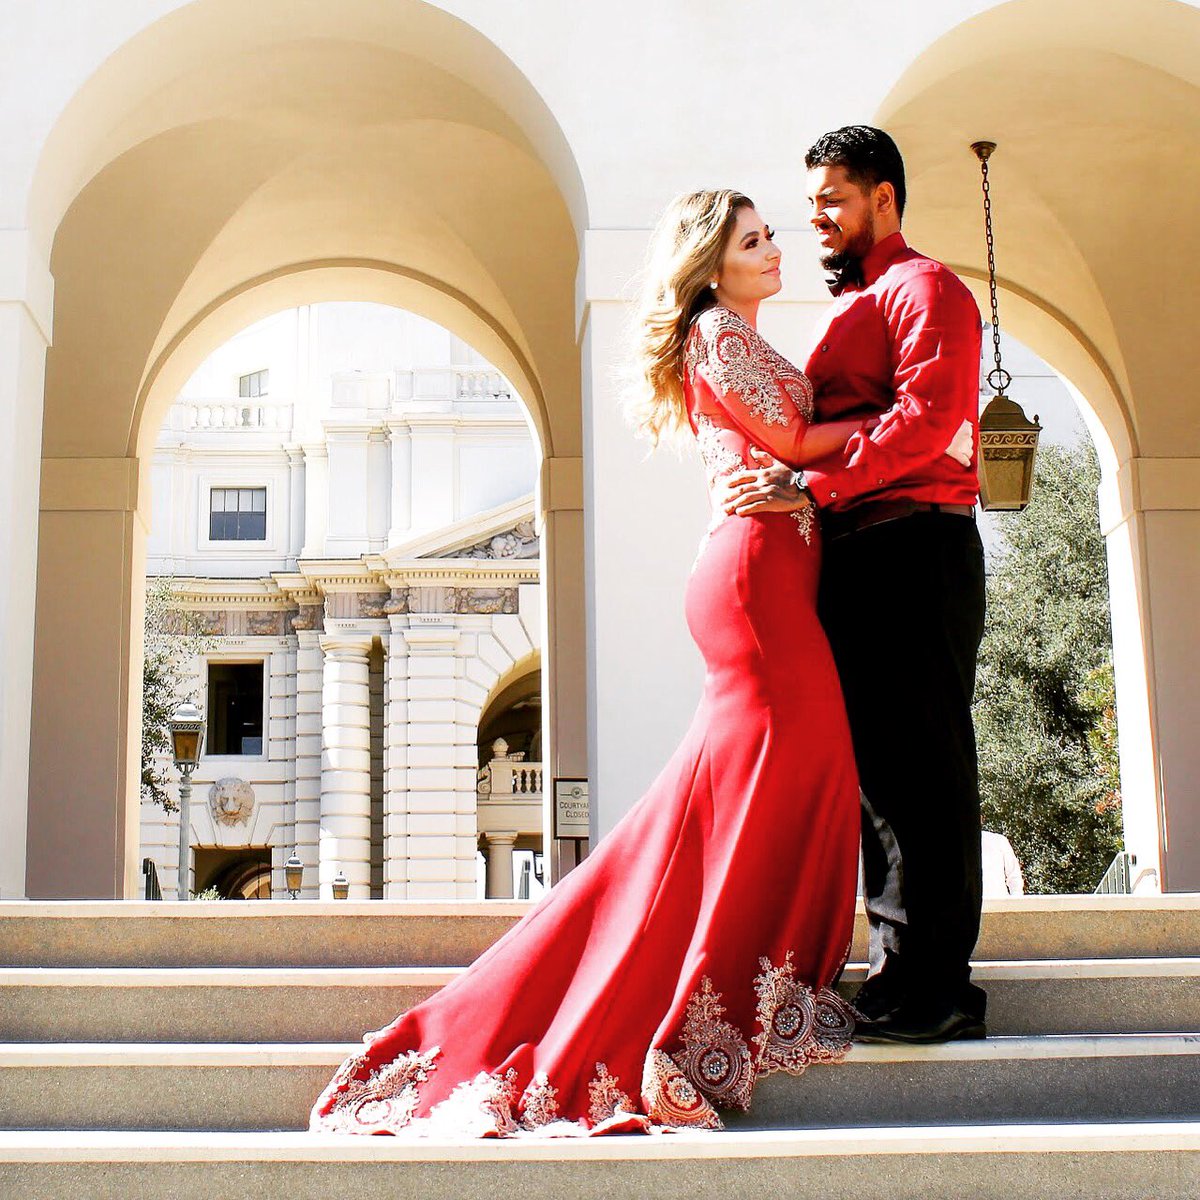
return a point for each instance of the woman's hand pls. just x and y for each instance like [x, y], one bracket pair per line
[770, 488]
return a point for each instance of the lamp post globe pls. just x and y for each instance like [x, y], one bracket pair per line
[294, 871]
[187, 735]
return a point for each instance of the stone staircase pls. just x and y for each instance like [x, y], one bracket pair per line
[157, 1049]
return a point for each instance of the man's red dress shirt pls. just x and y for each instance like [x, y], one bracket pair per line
[904, 347]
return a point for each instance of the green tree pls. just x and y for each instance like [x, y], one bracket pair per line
[173, 638]
[1045, 713]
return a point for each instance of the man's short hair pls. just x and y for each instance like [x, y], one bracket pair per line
[868, 155]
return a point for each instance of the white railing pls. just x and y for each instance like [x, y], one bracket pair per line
[481, 385]
[509, 775]
[258, 413]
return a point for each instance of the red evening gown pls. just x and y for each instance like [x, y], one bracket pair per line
[695, 950]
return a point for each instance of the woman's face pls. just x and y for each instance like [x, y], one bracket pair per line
[750, 265]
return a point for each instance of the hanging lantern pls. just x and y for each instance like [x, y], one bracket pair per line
[1007, 438]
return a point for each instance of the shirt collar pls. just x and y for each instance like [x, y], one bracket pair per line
[881, 256]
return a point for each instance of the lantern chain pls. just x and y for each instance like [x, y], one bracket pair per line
[998, 378]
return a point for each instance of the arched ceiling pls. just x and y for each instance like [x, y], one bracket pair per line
[269, 158]
[1098, 128]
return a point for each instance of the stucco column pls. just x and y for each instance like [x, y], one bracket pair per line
[85, 740]
[295, 539]
[564, 657]
[310, 670]
[345, 834]
[499, 865]
[26, 296]
[429, 798]
[1150, 515]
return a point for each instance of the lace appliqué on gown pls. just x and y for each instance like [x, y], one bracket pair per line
[385, 1099]
[715, 1055]
[719, 460]
[806, 522]
[738, 359]
[713, 1068]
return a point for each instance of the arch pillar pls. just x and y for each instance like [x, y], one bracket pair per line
[1150, 516]
[83, 841]
[565, 656]
[26, 291]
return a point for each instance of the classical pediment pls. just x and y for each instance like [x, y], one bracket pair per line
[507, 532]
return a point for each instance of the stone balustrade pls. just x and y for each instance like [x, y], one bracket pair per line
[481, 385]
[190, 414]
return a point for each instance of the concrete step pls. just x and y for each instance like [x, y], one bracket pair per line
[338, 1004]
[229, 1087]
[130, 933]
[1068, 1162]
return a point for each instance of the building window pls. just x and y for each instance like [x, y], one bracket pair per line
[237, 515]
[235, 708]
[252, 385]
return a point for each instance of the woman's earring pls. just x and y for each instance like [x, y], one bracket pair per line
[713, 285]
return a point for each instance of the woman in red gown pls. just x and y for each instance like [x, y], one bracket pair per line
[697, 947]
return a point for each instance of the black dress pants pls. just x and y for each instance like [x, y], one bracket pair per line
[903, 605]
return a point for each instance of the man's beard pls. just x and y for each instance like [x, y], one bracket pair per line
[845, 266]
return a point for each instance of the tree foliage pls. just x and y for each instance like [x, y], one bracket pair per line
[173, 639]
[1045, 712]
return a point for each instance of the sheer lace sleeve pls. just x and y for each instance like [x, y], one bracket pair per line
[767, 397]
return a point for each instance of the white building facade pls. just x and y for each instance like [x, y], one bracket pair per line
[343, 503]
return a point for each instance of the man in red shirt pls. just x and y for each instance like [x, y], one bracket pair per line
[902, 586]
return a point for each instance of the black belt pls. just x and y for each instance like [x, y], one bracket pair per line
[835, 524]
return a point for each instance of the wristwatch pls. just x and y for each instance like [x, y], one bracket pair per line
[801, 484]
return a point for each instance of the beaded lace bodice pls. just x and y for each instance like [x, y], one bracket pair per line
[741, 392]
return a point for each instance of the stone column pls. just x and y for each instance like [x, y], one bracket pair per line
[431, 827]
[309, 686]
[85, 773]
[500, 865]
[296, 505]
[395, 761]
[26, 302]
[1150, 515]
[564, 654]
[345, 835]
[282, 676]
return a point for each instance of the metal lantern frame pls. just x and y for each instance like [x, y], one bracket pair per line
[1008, 440]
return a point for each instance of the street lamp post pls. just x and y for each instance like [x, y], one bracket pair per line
[187, 738]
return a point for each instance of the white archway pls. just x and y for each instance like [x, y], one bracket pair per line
[223, 162]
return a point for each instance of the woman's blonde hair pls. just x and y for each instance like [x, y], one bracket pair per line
[685, 257]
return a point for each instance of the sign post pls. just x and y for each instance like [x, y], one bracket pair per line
[572, 815]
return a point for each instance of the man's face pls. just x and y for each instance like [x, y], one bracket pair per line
[842, 215]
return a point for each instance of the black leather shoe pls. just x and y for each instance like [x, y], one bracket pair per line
[896, 1027]
[874, 1005]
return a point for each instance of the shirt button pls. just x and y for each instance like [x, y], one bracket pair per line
[833, 495]
[825, 348]
[881, 482]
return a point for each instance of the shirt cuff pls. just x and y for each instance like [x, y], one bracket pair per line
[822, 486]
